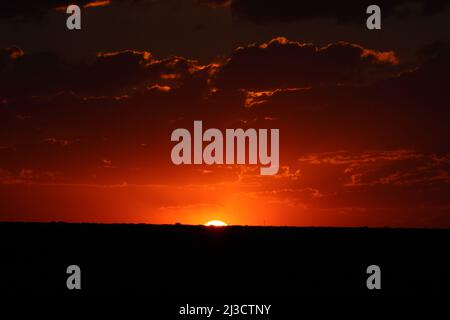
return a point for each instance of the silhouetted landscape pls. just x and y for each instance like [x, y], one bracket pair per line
[197, 261]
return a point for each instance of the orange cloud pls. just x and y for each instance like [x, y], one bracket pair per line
[98, 3]
[14, 52]
[93, 4]
[381, 56]
[160, 88]
[257, 97]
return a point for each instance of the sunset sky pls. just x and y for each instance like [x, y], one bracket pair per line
[364, 116]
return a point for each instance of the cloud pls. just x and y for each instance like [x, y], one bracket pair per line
[281, 64]
[271, 11]
[271, 68]
[111, 73]
[98, 3]
[8, 55]
[395, 167]
[26, 176]
[254, 98]
[32, 9]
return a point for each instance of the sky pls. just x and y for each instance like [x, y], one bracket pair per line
[86, 115]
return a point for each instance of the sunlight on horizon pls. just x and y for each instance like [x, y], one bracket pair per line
[216, 223]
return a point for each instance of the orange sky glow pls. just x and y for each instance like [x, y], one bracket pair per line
[86, 117]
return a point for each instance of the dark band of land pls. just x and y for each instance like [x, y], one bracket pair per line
[198, 261]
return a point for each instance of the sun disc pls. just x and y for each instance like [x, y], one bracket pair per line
[216, 223]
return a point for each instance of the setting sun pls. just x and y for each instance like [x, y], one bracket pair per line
[216, 223]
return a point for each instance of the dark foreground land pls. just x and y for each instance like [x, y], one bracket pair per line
[196, 261]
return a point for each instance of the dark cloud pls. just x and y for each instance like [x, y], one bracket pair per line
[112, 73]
[426, 85]
[36, 9]
[281, 63]
[7, 57]
[267, 11]
[26, 9]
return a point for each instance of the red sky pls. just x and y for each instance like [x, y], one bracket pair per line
[85, 121]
